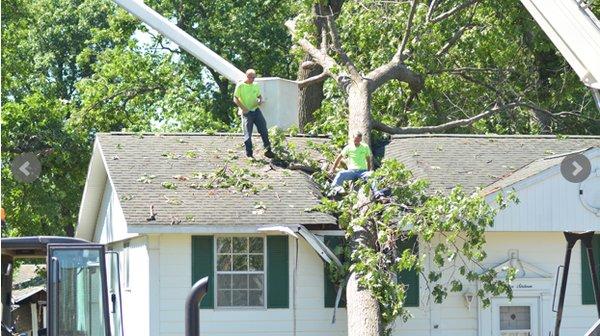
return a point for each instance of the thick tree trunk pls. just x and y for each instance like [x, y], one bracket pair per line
[364, 316]
[359, 107]
[311, 97]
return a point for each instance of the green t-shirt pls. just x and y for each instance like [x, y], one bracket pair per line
[357, 156]
[248, 94]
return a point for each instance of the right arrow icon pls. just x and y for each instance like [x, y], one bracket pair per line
[575, 167]
[578, 168]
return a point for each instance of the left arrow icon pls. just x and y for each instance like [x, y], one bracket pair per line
[24, 167]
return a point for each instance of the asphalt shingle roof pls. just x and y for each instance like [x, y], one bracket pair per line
[138, 165]
[476, 160]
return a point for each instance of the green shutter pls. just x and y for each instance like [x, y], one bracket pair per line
[333, 242]
[277, 272]
[410, 277]
[587, 289]
[203, 265]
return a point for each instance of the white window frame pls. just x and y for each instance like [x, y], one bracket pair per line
[216, 272]
[126, 273]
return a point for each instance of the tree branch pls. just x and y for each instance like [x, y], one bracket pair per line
[337, 47]
[453, 11]
[395, 70]
[452, 41]
[313, 80]
[443, 127]
[409, 23]
[318, 55]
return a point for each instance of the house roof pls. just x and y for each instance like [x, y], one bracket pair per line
[477, 160]
[531, 169]
[142, 169]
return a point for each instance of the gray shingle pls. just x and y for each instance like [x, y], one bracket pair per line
[476, 160]
[129, 157]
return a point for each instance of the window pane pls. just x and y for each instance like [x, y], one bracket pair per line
[256, 262]
[224, 298]
[256, 245]
[224, 262]
[256, 298]
[223, 281]
[240, 245]
[515, 318]
[224, 245]
[255, 281]
[240, 281]
[239, 298]
[240, 262]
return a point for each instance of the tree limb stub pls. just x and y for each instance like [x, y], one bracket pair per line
[313, 80]
[443, 127]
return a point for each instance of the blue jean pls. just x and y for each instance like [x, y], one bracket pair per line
[248, 121]
[350, 175]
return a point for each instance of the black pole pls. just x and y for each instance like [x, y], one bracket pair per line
[192, 317]
[586, 240]
[571, 240]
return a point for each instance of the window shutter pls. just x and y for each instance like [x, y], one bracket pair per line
[277, 272]
[203, 265]
[410, 277]
[587, 289]
[332, 242]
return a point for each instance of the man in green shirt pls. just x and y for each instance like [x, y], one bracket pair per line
[359, 161]
[247, 97]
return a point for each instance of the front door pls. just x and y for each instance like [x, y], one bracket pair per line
[519, 317]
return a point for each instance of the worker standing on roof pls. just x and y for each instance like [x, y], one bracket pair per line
[248, 98]
[359, 162]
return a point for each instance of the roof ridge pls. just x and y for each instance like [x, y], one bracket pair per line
[500, 136]
[299, 135]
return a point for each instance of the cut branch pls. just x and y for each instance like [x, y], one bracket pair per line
[453, 11]
[443, 127]
[312, 80]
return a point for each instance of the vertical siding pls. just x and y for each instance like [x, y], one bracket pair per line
[136, 298]
[110, 224]
[548, 202]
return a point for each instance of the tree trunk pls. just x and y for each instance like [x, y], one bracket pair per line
[310, 97]
[359, 107]
[364, 316]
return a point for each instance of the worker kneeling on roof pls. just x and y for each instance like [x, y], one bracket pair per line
[359, 161]
[248, 98]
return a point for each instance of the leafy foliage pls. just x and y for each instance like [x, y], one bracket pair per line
[449, 227]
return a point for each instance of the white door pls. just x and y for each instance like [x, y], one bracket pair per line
[519, 317]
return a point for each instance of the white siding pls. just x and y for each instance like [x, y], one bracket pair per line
[548, 202]
[546, 251]
[110, 223]
[136, 298]
[311, 317]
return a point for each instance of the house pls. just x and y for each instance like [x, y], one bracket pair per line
[147, 198]
[29, 299]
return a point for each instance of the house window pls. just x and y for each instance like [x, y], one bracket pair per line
[515, 320]
[240, 270]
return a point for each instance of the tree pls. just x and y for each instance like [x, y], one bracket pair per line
[461, 60]
[410, 50]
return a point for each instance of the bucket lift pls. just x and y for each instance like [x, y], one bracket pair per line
[281, 95]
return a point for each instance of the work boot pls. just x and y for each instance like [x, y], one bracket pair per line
[269, 154]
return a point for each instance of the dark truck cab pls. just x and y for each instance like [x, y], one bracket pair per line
[79, 300]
